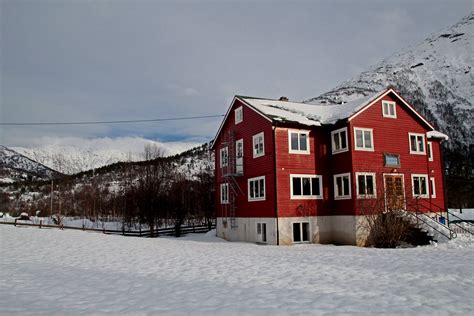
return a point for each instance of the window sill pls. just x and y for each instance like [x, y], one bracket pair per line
[345, 197]
[340, 151]
[256, 199]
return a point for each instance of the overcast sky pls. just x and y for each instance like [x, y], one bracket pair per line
[120, 60]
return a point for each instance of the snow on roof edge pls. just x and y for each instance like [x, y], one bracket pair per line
[436, 134]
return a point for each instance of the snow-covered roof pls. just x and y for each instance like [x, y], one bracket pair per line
[307, 113]
[436, 134]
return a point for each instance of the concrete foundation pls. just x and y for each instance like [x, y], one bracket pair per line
[341, 230]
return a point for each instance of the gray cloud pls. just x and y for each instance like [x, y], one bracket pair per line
[104, 60]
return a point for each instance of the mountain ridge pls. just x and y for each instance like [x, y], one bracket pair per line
[435, 76]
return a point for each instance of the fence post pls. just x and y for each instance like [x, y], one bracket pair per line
[41, 222]
[15, 222]
[193, 229]
[140, 229]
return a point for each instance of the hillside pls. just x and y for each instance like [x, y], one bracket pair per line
[73, 155]
[435, 76]
[16, 167]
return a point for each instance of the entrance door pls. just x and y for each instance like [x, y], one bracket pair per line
[394, 192]
[239, 156]
[261, 232]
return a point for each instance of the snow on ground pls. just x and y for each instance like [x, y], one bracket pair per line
[49, 271]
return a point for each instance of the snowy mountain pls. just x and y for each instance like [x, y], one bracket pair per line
[435, 76]
[16, 167]
[73, 155]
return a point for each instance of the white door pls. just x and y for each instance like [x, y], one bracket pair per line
[239, 156]
[261, 232]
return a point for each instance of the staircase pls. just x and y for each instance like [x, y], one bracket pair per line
[229, 174]
[434, 222]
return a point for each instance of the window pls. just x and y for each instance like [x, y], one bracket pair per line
[389, 109]
[256, 189]
[363, 139]
[366, 185]
[342, 186]
[239, 156]
[391, 160]
[339, 140]
[238, 115]
[258, 145]
[430, 151]
[224, 193]
[298, 142]
[224, 157]
[300, 232]
[419, 184]
[306, 186]
[417, 143]
[433, 187]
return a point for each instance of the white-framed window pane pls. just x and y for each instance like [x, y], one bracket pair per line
[303, 142]
[296, 186]
[359, 139]
[413, 143]
[361, 184]
[369, 185]
[294, 141]
[306, 186]
[367, 139]
[315, 187]
[343, 139]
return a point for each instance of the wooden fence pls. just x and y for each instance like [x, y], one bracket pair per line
[169, 231]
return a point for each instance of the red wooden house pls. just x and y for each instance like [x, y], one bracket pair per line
[291, 172]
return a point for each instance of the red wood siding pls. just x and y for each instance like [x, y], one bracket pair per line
[390, 135]
[314, 163]
[253, 123]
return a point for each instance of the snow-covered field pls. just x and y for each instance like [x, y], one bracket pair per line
[49, 271]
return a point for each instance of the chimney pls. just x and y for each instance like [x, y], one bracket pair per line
[283, 99]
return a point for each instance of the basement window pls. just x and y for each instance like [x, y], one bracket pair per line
[301, 232]
[391, 160]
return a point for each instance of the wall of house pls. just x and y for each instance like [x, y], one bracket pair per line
[313, 163]
[252, 124]
[390, 135]
[246, 229]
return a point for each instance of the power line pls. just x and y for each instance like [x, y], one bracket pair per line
[109, 122]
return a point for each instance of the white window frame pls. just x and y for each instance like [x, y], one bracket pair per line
[333, 145]
[298, 151]
[255, 138]
[306, 197]
[363, 130]
[389, 104]
[344, 196]
[430, 150]
[257, 180]
[427, 189]
[432, 187]
[239, 115]
[301, 232]
[224, 193]
[366, 196]
[417, 151]
[224, 163]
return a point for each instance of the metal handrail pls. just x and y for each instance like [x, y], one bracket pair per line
[452, 234]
